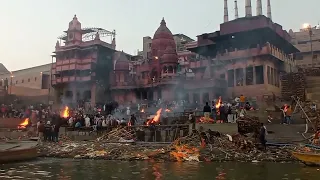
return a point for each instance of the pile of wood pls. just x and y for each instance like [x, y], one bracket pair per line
[311, 71]
[248, 124]
[293, 84]
[118, 135]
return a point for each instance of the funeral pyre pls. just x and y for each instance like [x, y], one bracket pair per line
[120, 144]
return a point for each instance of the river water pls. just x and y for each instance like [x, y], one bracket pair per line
[65, 169]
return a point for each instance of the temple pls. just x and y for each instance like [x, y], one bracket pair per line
[82, 64]
[164, 74]
[246, 56]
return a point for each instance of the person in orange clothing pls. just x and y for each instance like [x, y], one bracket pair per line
[316, 137]
[242, 100]
[288, 115]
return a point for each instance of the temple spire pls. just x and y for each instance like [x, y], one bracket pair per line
[226, 14]
[248, 8]
[259, 7]
[269, 10]
[236, 13]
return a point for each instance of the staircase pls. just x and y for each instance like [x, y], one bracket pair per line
[286, 133]
[313, 88]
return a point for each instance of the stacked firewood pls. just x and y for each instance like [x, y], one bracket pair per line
[248, 124]
[293, 84]
[312, 72]
[118, 134]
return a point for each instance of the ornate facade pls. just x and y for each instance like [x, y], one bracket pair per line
[162, 75]
[82, 67]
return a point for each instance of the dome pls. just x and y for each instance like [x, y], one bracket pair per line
[121, 62]
[162, 39]
[169, 56]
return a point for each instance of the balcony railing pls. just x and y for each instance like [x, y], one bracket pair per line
[68, 79]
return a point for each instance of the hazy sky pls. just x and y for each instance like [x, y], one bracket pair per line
[29, 28]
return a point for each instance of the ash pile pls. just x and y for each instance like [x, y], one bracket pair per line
[214, 146]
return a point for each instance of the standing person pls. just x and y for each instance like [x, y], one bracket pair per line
[55, 132]
[47, 132]
[288, 114]
[232, 117]
[132, 120]
[214, 111]
[242, 100]
[262, 136]
[40, 128]
[207, 111]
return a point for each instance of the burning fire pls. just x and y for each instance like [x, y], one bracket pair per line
[184, 152]
[156, 118]
[65, 113]
[206, 120]
[142, 110]
[168, 110]
[23, 124]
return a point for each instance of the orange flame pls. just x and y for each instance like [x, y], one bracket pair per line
[183, 151]
[168, 110]
[142, 110]
[156, 119]
[65, 113]
[218, 104]
[23, 124]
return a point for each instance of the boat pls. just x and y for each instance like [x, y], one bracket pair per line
[18, 151]
[310, 159]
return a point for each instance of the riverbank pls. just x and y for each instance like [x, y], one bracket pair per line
[221, 148]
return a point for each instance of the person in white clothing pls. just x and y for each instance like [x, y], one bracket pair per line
[128, 111]
[87, 121]
[70, 121]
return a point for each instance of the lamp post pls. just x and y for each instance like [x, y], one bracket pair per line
[307, 27]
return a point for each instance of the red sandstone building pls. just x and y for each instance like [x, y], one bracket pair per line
[82, 65]
[246, 56]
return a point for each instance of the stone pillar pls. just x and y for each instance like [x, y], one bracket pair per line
[234, 78]
[74, 94]
[155, 95]
[265, 74]
[244, 70]
[93, 94]
[254, 75]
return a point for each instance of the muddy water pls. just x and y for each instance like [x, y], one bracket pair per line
[66, 169]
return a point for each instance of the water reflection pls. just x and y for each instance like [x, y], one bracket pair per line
[89, 169]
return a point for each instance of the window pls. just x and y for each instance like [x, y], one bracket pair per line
[29, 80]
[35, 79]
[239, 77]
[22, 81]
[230, 78]
[249, 75]
[315, 56]
[259, 75]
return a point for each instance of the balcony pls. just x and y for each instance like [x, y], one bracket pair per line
[70, 79]
[75, 61]
[74, 67]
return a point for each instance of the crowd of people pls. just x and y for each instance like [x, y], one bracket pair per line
[227, 112]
